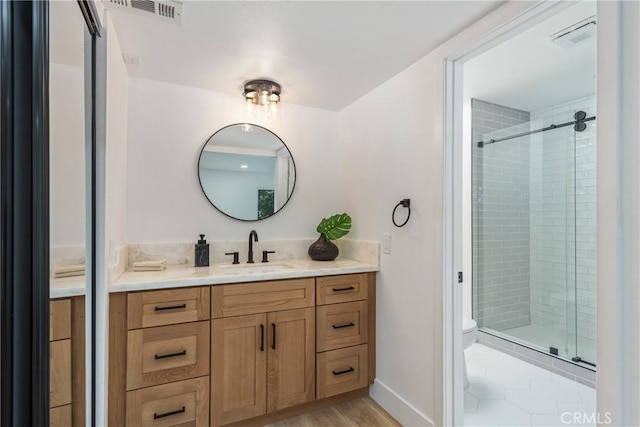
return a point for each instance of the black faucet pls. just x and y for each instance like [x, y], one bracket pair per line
[255, 238]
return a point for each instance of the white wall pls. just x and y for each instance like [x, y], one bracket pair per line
[391, 151]
[117, 123]
[168, 124]
[67, 187]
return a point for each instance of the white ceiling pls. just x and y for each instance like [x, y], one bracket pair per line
[529, 72]
[324, 54]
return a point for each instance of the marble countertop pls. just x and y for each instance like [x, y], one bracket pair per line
[67, 287]
[182, 276]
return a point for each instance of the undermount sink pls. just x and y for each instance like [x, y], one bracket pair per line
[256, 268]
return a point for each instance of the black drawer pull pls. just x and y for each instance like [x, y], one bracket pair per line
[346, 325]
[346, 371]
[168, 414]
[261, 337]
[273, 342]
[348, 288]
[171, 307]
[165, 356]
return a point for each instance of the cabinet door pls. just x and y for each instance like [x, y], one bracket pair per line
[59, 319]
[291, 362]
[60, 416]
[59, 373]
[238, 365]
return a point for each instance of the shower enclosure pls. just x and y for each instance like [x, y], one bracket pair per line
[534, 207]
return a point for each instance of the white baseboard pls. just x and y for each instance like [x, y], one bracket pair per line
[399, 408]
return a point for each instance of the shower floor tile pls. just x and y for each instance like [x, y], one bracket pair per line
[505, 391]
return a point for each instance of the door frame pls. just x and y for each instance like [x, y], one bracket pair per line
[24, 194]
[516, 20]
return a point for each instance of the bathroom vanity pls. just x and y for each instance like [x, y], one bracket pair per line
[243, 346]
[67, 354]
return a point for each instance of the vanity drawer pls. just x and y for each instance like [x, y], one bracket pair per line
[59, 319]
[341, 370]
[59, 373]
[167, 307]
[335, 289]
[341, 325]
[167, 353]
[60, 416]
[254, 298]
[183, 403]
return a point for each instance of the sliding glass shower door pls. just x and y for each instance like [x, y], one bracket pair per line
[534, 233]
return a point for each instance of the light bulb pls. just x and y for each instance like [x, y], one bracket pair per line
[264, 98]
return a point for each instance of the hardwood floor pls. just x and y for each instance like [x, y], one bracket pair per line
[363, 412]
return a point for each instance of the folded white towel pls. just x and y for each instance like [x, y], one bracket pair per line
[139, 269]
[61, 269]
[69, 274]
[159, 268]
[156, 263]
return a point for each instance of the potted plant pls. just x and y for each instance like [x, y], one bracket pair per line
[331, 228]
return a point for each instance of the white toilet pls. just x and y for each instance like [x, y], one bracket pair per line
[469, 336]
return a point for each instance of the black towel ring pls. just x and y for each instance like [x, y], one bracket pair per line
[405, 203]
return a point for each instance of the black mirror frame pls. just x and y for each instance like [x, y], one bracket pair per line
[283, 143]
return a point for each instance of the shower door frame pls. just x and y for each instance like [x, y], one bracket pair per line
[571, 355]
[516, 19]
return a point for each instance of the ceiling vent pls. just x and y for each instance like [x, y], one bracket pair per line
[576, 34]
[167, 11]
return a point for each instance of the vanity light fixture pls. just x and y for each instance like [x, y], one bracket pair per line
[263, 93]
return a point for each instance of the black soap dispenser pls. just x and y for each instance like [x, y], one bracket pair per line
[202, 252]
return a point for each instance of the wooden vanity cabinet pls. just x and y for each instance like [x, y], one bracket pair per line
[263, 362]
[66, 362]
[275, 349]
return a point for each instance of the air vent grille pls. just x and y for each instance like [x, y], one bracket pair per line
[166, 10]
[576, 34]
[146, 5]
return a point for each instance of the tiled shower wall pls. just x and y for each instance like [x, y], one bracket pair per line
[501, 219]
[563, 226]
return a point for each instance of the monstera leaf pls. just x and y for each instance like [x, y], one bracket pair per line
[335, 227]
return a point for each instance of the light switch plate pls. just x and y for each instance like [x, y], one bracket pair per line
[386, 243]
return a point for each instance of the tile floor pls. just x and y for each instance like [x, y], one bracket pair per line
[505, 391]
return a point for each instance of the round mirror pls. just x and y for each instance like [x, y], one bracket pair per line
[246, 172]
